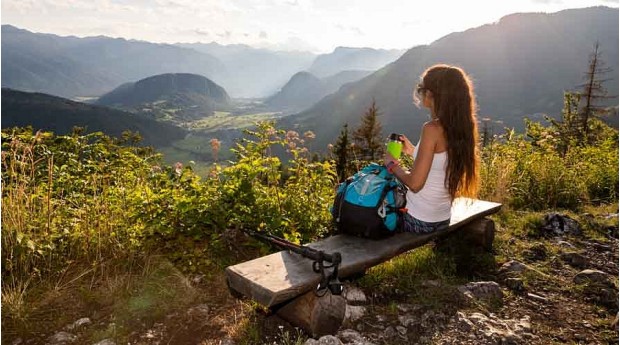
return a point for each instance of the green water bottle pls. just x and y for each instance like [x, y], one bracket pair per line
[394, 145]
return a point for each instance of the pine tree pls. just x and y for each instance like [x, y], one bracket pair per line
[569, 128]
[342, 151]
[593, 92]
[368, 138]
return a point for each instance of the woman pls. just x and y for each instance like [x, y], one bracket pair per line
[446, 159]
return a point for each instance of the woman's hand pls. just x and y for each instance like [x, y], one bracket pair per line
[407, 145]
[388, 158]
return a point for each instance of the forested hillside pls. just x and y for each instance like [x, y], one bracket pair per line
[520, 66]
[60, 115]
[175, 97]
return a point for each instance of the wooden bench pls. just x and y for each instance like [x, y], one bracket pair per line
[286, 282]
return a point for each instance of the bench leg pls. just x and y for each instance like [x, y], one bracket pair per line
[318, 316]
[480, 232]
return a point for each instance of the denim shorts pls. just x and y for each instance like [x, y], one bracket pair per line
[416, 226]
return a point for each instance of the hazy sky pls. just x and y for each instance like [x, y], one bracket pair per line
[315, 25]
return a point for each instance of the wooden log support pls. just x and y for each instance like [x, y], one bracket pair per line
[480, 232]
[287, 279]
[316, 315]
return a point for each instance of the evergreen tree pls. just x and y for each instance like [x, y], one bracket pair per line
[342, 151]
[368, 138]
[569, 128]
[593, 92]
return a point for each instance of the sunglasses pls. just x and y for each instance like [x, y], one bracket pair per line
[420, 89]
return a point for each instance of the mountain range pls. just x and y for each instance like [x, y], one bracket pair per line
[346, 58]
[254, 72]
[88, 67]
[304, 89]
[520, 66]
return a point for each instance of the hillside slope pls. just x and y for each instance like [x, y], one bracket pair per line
[520, 66]
[60, 115]
[72, 66]
[305, 89]
[347, 58]
[182, 95]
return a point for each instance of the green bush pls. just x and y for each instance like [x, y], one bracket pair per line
[542, 170]
[88, 198]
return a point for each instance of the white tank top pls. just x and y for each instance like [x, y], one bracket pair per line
[433, 202]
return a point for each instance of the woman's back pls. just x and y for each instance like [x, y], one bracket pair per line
[433, 202]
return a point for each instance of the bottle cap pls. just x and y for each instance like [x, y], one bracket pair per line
[395, 136]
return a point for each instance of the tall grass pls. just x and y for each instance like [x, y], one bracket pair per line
[535, 175]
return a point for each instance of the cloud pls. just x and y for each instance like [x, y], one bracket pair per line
[226, 34]
[547, 2]
[262, 35]
[201, 32]
[351, 29]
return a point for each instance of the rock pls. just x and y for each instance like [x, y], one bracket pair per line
[61, 338]
[406, 308]
[228, 341]
[493, 330]
[609, 297]
[198, 279]
[463, 323]
[574, 259]
[79, 324]
[591, 276]
[351, 337]
[431, 283]
[515, 284]
[200, 311]
[105, 342]
[406, 320]
[537, 298]
[512, 266]
[17, 341]
[390, 332]
[601, 247]
[565, 244]
[402, 330]
[556, 224]
[537, 252]
[354, 295]
[485, 291]
[311, 342]
[353, 313]
[329, 340]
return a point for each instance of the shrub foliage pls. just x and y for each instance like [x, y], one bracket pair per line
[89, 199]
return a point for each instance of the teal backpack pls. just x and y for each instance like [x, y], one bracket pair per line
[370, 203]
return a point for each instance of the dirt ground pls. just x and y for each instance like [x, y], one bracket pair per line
[560, 312]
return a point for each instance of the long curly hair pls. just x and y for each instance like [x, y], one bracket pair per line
[455, 108]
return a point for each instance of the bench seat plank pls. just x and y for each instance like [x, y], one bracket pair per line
[279, 277]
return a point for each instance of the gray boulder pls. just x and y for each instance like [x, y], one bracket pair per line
[482, 291]
[592, 276]
[61, 338]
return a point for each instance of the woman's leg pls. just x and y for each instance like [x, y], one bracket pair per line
[416, 226]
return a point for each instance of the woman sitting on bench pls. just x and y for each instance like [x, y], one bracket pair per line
[446, 158]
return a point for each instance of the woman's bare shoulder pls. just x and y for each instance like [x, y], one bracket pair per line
[432, 127]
